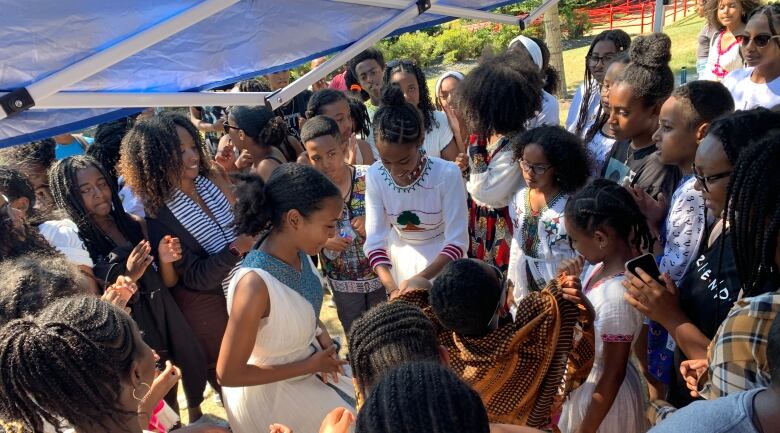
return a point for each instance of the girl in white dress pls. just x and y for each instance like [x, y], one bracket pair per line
[729, 18]
[416, 219]
[277, 362]
[607, 228]
[554, 165]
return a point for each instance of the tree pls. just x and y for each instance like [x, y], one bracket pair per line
[552, 32]
[410, 220]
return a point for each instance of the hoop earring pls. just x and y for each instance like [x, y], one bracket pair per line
[148, 390]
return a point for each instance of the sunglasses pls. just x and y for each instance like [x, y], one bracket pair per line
[501, 299]
[227, 126]
[705, 180]
[761, 40]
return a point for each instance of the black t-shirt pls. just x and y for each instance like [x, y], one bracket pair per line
[707, 292]
[645, 169]
[294, 109]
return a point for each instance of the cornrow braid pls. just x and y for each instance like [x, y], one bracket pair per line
[422, 397]
[736, 130]
[622, 42]
[361, 121]
[66, 363]
[605, 203]
[753, 206]
[398, 121]
[426, 103]
[772, 14]
[63, 180]
[387, 336]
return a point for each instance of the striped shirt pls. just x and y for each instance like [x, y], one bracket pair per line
[211, 233]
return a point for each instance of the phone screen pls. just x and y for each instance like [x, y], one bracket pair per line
[646, 263]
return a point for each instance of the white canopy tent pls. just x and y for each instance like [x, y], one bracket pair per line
[71, 64]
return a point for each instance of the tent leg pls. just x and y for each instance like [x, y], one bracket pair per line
[282, 96]
[116, 53]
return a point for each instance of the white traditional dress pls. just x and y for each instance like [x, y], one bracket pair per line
[539, 243]
[287, 335]
[407, 227]
[616, 322]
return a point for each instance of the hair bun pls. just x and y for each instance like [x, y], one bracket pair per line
[252, 208]
[653, 51]
[393, 96]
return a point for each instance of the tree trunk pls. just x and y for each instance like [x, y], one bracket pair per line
[552, 32]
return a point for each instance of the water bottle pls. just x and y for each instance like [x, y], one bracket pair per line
[345, 232]
[683, 75]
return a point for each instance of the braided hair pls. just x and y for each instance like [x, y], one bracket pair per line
[67, 363]
[322, 98]
[361, 121]
[489, 94]
[34, 281]
[711, 11]
[63, 178]
[253, 85]
[426, 103]
[262, 205]
[386, 336]
[108, 141]
[422, 397]
[398, 121]
[753, 210]
[151, 161]
[20, 241]
[563, 150]
[602, 116]
[772, 14]
[14, 184]
[649, 74]
[736, 130]
[605, 203]
[464, 297]
[622, 41]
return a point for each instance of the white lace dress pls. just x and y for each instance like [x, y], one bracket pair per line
[287, 335]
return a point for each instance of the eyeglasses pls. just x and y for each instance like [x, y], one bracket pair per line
[228, 127]
[595, 60]
[501, 299]
[537, 169]
[705, 180]
[761, 40]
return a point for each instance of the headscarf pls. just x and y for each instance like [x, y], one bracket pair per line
[454, 74]
[532, 48]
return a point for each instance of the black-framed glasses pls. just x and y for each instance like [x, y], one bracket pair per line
[761, 40]
[228, 127]
[502, 297]
[537, 169]
[604, 60]
[704, 181]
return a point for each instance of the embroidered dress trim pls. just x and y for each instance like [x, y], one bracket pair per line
[529, 226]
[304, 282]
[411, 187]
[615, 338]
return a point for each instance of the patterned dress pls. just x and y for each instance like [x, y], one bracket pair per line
[493, 179]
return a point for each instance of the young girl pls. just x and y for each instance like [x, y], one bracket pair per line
[265, 136]
[446, 85]
[584, 106]
[415, 203]
[277, 362]
[117, 244]
[355, 286]
[439, 139]
[336, 105]
[600, 138]
[540, 55]
[554, 165]
[494, 117]
[635, 100]
[607, 228]
[758, 85]
[361, 129]
[729, 18]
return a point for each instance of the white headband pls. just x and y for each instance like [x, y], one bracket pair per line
[454, 74]
[532, 48]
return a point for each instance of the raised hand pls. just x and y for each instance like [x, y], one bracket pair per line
[326, 363]
[140, 258]
[338, 420]
[169, 250]
[119, 293]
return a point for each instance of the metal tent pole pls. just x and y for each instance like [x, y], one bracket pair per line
[143, 100]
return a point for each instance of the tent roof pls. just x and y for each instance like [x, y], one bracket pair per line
[246, 39]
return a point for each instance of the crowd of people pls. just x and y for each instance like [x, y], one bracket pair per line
[479, 256]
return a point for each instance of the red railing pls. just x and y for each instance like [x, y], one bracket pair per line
[641, 14]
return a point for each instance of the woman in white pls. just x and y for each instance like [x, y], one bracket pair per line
[759, 84]
[439, 140]
[554, 165]
[277, 362]
[550, 112]
[445, 88]
[729, 17]
[415, 203]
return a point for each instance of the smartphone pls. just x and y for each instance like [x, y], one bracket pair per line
[646, 263]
